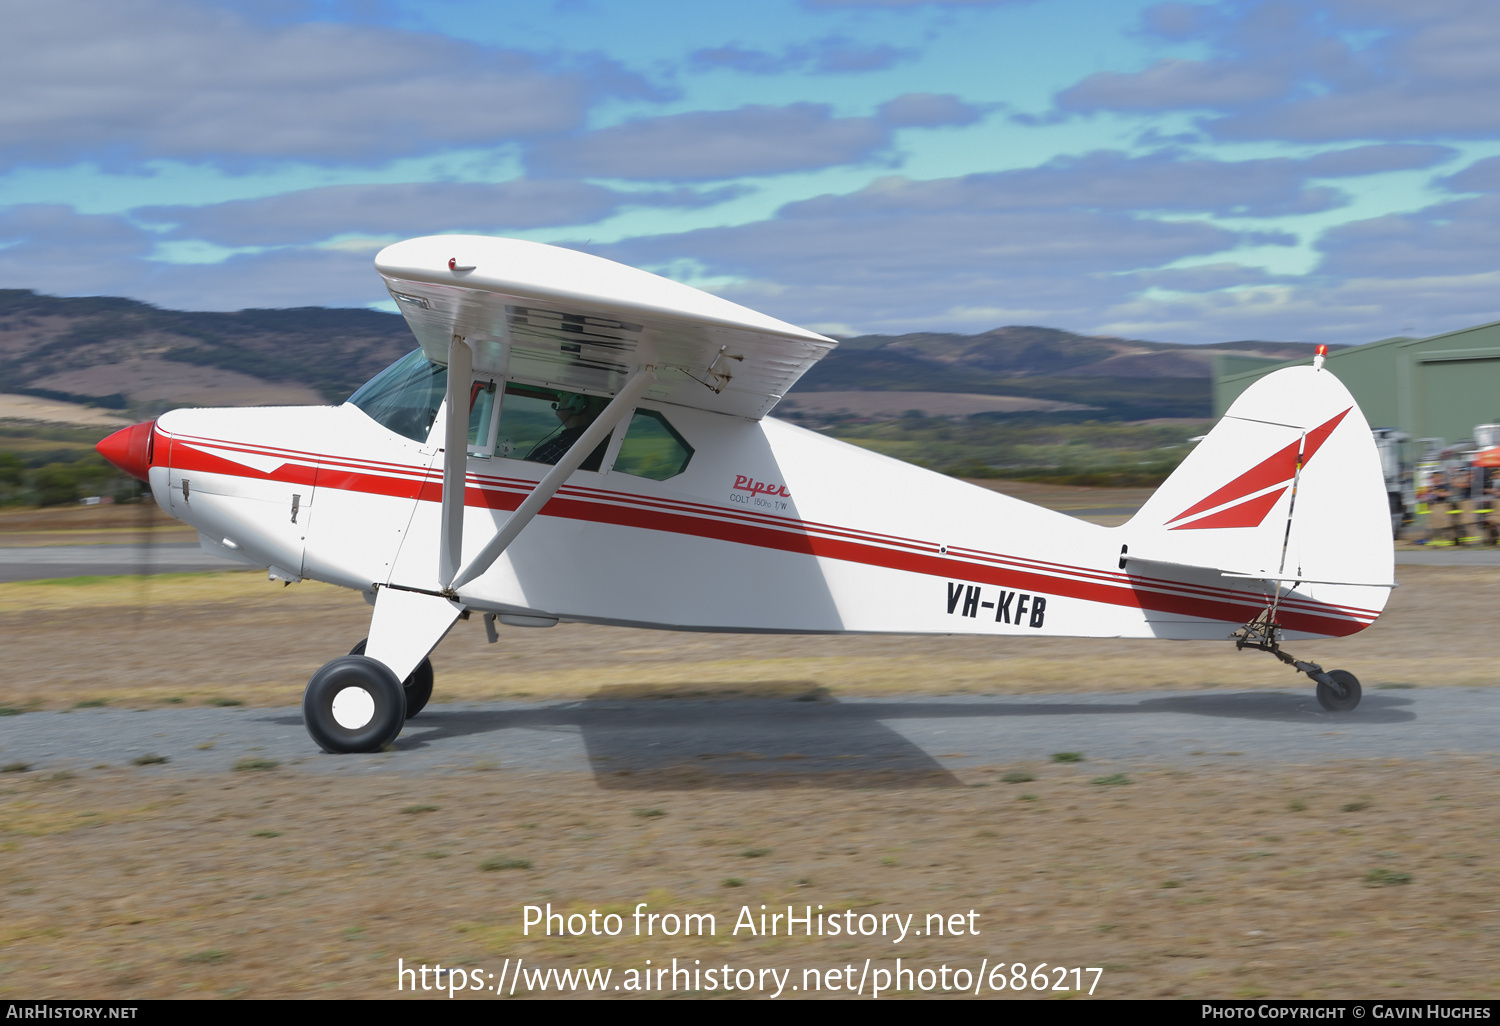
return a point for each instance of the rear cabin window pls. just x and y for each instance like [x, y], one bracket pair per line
[405, 396]
[540, 425]
[652, 448]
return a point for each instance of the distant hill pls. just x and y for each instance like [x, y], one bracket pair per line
[1024, 351]
[104, 348]
[121, 354]
[1124, 379]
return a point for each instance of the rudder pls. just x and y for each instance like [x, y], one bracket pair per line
[1287, 486]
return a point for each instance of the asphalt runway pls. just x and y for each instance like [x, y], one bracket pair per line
[899, 742]
[1448, 557]
[43, 562]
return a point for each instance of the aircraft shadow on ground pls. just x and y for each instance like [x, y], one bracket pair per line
[730, 738]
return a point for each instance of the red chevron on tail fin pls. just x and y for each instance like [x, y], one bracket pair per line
[1278, 468]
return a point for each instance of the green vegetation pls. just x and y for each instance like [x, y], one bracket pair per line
[649, 813]
[1067, 756]
[149, 759]
[754, 853]
[1017, 777]
[412, 810]
[1039, 447]
[38, 475]
[491, 865]
[1112, 780]
[254, 764]
[1386, 878]
[210, 956]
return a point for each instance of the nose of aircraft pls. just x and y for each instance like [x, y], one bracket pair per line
[130, 449]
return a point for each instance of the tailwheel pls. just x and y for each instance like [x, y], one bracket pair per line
[354, 704]
[1338, 690]
[1342, 692]
[417, 685]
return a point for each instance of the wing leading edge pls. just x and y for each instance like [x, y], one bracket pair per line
[559, 317]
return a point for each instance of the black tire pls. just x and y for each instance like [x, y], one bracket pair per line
[417, 685]
[1330, 699]
[381, 707]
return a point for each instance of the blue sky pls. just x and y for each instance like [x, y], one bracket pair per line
[1189, 172]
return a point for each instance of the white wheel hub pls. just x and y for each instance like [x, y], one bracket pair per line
[353, 707]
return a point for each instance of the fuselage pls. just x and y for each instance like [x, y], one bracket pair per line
[768, 527]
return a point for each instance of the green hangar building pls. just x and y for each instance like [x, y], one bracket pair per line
[1429, 388]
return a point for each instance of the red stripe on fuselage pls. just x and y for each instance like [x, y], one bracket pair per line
[848, 545]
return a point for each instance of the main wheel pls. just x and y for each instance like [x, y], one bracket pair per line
[417, 685]
[1331, 698]
[354, 704]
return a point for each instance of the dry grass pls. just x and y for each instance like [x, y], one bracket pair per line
[268, 882]
[199, 638]
[1208, 883]
[91, 525]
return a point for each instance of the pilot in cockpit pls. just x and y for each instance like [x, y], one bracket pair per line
[576, 413]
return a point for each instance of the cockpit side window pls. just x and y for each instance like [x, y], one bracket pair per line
[540, 425]
[405, 397]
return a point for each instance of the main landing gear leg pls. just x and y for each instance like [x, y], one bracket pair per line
[357, 702]
[1338, 690]
[417, 685]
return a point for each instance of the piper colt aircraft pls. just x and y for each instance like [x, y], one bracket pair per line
[577, 440]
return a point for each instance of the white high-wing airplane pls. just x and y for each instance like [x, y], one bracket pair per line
[620, 468]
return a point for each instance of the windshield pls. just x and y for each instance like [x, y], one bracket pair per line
[405, 396]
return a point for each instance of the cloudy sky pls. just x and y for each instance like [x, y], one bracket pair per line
[1189, 172]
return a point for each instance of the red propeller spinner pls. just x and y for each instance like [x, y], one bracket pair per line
[130, 449]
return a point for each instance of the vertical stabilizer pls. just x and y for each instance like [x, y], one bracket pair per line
[1287, 486]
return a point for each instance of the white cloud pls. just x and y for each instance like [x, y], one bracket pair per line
[928, 110]
[1286, 69]
[136, 80]
[708, 145]
[417, 208]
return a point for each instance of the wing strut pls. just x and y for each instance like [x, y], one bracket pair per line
[623, 402]
[456, 459]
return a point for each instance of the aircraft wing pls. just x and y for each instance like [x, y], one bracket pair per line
[559, 317]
